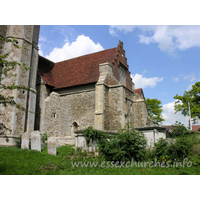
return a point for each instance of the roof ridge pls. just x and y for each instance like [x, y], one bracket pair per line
[86, 55]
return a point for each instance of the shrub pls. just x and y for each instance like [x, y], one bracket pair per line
[44, 137]
[125, 145]
[178, 151]
[92, 135]
[178, 129]
[196, 149]
[160, 148]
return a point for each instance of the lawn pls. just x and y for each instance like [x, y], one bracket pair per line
[16, 161]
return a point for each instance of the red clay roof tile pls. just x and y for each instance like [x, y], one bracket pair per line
[83, 69]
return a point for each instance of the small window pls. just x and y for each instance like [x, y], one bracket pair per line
[53, 115]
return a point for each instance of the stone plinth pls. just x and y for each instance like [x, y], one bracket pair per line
[36, 141]
[152, 134]
[51, 145]
[25, 141]
[80, 140]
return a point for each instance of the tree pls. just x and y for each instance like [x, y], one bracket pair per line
[190, 99]
[6, 71]
[154, 110]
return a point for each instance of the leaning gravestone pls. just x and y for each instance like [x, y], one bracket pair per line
[25, 141]
[36, 141]
[51, 145]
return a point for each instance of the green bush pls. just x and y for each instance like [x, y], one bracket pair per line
[160, 148]
[44, 137]
[92, 135]
[178, 151]
[178, 129]
[124, 146]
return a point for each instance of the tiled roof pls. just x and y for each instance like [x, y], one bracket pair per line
[139, 90]
[83, 69]
[195, 127]
[44, 68]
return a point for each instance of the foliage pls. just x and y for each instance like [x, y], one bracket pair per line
[125, 145]
[178, 151]
[177, 130]
[7, 68]
[92, 135]
[44, 137]
[160, 148]
[154, 110]
[193, 97]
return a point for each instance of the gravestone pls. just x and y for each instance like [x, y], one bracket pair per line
[36, 141]
[25, 141]
[51, 145]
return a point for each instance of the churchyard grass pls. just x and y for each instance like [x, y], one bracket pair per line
[16, 161]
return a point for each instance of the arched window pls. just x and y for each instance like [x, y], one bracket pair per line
[74, 128]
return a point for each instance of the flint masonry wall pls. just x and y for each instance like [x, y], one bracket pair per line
[27, 36]
[43, 92]
[62, 110]
[140, 113]
[110, 100]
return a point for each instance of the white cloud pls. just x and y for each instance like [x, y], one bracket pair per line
[145, 40]
[124, 28]
[169, 38]
[42, 38]
[169, 116]
[142, 82]
[40, 51]
[191, 77]
[83, 45]
[144, 71]
[176, 79]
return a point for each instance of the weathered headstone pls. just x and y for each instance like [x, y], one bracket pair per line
[51, 145]
[36, 141]
[25, 141]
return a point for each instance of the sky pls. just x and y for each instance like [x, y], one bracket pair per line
[163, 60]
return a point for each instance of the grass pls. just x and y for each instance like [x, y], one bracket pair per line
[15, 161]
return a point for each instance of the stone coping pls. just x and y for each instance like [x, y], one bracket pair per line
[62, 137]
[9, 136]
[161, 128]
[80, 132]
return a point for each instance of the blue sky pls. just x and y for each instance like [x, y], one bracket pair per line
[163, 60]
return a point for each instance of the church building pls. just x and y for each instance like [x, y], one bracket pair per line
[92, 90]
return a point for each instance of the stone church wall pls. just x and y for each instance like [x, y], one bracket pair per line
[62, 111]
[78, 108]
[16, 119]
[140, 113]
[114, 110]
